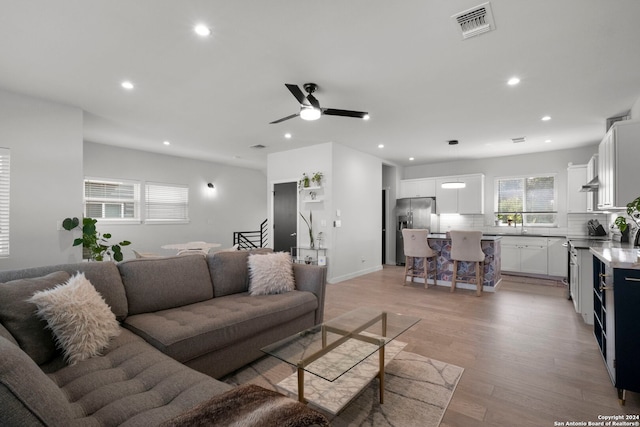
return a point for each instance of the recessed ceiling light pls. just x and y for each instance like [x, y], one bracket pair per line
[546, 118]
[366, 117]
[287, 135]
[513, 81]
[166, 142]
[411, 159]
[202, 30]
[547, 141]
[380, 145]
[127, 85]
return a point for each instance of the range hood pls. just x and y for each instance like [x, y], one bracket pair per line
[590, 186]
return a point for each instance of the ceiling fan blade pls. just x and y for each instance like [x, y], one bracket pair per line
[313, 101]
[344, 113]
[296, 92]
[284, 118]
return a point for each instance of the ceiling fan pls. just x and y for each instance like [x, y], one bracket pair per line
[310, 107]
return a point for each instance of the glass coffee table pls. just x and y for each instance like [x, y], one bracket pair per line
[334, 348]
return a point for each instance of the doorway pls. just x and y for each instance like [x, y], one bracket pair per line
[285, 216]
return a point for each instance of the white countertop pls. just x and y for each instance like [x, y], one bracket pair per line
[445, 237]
[618, 258]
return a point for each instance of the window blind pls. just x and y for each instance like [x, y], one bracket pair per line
[166, 202]
[527, 199]
[4, 201]
[111, 199]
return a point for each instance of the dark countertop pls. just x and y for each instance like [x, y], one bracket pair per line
[586, 243]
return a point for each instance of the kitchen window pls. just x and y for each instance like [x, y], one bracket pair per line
[112, 200]
[527, 200]
[166, 203]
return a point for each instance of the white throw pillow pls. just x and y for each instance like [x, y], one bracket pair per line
[270, 273]
[80, 319]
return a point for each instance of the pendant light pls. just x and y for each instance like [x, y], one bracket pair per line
[453, 184]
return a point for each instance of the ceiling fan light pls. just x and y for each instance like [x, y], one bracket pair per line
[453, 185]
[310, 113]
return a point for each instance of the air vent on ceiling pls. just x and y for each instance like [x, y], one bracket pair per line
[258, 146]
[475, 21]
[518, 140]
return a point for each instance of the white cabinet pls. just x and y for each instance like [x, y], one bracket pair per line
[467, 200]
[524, 255]
[576, 178]
[557, 256]
[618, 155]
[424, 187]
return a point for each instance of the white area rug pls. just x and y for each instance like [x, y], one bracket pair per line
[417, 391]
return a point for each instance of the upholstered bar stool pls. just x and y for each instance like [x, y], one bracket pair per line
[466, 246]
[416, 245]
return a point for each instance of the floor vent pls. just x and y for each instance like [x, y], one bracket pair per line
[475, 21]
[518, 140]
[258, 146]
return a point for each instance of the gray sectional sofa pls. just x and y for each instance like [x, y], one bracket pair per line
[184, 321]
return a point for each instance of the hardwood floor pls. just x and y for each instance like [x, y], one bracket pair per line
[529, 359]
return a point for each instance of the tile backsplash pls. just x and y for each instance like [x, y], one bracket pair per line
[576, 225]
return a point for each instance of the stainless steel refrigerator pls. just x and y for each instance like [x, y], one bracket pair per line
[412, 213]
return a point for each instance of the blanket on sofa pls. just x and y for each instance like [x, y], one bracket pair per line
[249, 405]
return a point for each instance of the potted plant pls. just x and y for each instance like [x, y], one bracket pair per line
[633, 211]
[317, 178]
[305, 182]
[95, 246]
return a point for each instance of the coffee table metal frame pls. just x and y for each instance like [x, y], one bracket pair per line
[346, 333]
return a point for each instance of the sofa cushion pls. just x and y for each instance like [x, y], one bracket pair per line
[229, 271]
[18, 315]
[104, 276]
[187, 332]
[270, 273]
[153, 284]
[82, 323]
[132, 384]
[28, 396]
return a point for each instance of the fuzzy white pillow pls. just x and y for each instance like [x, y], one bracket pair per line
[80, 319]
[270, 273]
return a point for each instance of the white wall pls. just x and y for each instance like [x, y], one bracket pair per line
[238, 203]
[537, 163]
[45, 140]
[352, 183]
[357, 245]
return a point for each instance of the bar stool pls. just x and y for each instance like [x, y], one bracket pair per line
[416, 245]
[466, 246]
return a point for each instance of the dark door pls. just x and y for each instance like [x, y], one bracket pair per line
[384, 227]
[285, 216]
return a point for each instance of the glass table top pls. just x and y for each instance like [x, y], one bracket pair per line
[331, 349]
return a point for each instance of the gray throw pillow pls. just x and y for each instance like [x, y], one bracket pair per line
[19, 316]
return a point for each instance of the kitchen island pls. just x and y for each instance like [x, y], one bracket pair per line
[466, 270]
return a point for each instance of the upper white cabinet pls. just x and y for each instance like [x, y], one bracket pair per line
[617, 165]
[467, 200]
[576, 178]
[423, 187]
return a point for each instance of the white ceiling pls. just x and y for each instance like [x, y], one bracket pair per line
[402, 61]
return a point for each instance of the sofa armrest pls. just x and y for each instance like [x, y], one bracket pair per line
[312, 278]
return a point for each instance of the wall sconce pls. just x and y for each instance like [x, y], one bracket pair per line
[210, 185]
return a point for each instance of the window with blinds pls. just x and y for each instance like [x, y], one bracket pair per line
[166, 203]
[529, 201]
[4, 201]
[112, 200]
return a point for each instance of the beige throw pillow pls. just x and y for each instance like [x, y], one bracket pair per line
[81, 321]
[270, 273]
